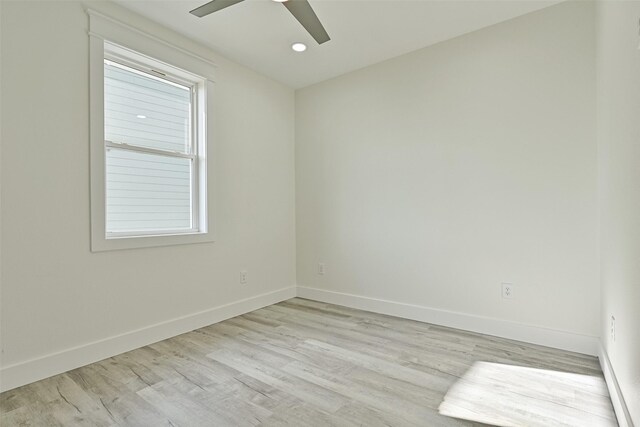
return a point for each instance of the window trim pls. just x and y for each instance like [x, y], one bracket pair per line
[108, 39]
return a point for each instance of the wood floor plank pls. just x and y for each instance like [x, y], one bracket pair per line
[306, 363]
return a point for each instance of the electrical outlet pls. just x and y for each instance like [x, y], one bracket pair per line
[243, 277]
[508, 290]
[321, 268]
[613, 329]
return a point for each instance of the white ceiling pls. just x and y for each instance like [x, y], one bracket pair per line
[259, 33]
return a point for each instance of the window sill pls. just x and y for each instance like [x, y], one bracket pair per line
[137, 242]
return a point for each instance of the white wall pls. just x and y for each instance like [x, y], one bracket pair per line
[1, 198]
[56, 294]
[619, 154]
[431, 178]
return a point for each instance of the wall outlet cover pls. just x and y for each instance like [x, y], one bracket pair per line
[508, 291]
[321, 268]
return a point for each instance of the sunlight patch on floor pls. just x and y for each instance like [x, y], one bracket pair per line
[507, 395]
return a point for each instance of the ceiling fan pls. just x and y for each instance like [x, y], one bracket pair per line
[300, 9]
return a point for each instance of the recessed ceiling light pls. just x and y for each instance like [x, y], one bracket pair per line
[280, 1]
[299, 47]
[140, 116]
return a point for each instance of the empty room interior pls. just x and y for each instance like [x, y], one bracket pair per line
[320, 213]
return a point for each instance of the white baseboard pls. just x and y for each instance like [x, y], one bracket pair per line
[485, 325]
[26, 372]
[619, 405]
[22, 373]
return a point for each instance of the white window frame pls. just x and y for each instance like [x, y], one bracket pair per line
[118, 42]
[195, 84]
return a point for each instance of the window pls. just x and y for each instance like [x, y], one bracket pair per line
[150, 183]
[151, 152]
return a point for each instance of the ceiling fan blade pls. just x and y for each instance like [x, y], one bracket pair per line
[213, 6]
[303, 12]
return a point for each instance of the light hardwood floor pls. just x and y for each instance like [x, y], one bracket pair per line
[305, 363]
